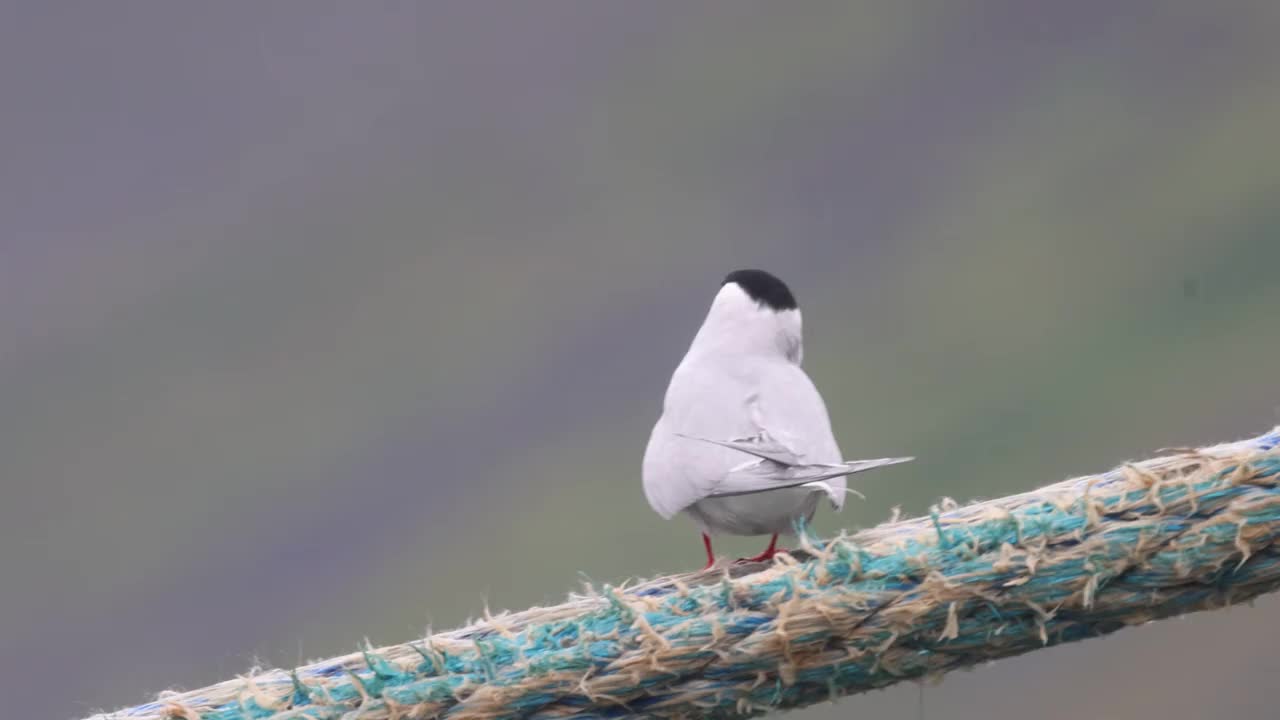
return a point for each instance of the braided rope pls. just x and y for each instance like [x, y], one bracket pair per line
[1194, 530]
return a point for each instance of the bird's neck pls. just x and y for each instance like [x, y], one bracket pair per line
[765, 333]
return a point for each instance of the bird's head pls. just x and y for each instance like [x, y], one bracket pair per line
[754, 312]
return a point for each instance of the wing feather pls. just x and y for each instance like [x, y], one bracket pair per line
[750, 428]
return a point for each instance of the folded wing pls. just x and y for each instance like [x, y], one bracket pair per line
[778, 466]
[742, 430]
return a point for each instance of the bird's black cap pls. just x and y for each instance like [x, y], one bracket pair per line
[764, 288]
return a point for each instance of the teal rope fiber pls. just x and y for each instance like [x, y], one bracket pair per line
[1191, 531]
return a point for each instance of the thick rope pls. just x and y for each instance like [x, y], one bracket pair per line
[1194, 530]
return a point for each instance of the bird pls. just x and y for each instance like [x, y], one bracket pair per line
[744, 444]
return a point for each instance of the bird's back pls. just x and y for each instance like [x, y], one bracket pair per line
[726, 398]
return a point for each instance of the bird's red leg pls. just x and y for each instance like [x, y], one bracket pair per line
[768, 553]
[711, 557]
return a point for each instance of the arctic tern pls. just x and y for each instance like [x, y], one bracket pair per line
[744, 444]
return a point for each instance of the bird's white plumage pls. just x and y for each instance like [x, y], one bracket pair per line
[744, 444]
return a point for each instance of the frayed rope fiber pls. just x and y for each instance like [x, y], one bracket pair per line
[1194, 530]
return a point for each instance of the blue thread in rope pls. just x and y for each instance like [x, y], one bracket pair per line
[1068, 562]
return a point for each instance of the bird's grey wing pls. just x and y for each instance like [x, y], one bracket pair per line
[793, 444]
[678, 471]
[748, 431]
[704, 400]
[762, 445]
[765, 475]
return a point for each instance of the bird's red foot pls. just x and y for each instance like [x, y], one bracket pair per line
[768, 553]
[762, 557]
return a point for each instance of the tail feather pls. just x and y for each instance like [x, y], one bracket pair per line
[767, 475]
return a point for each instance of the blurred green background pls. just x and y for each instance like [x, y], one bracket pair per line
[322, 321]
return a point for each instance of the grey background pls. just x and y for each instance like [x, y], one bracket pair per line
[323, 321]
